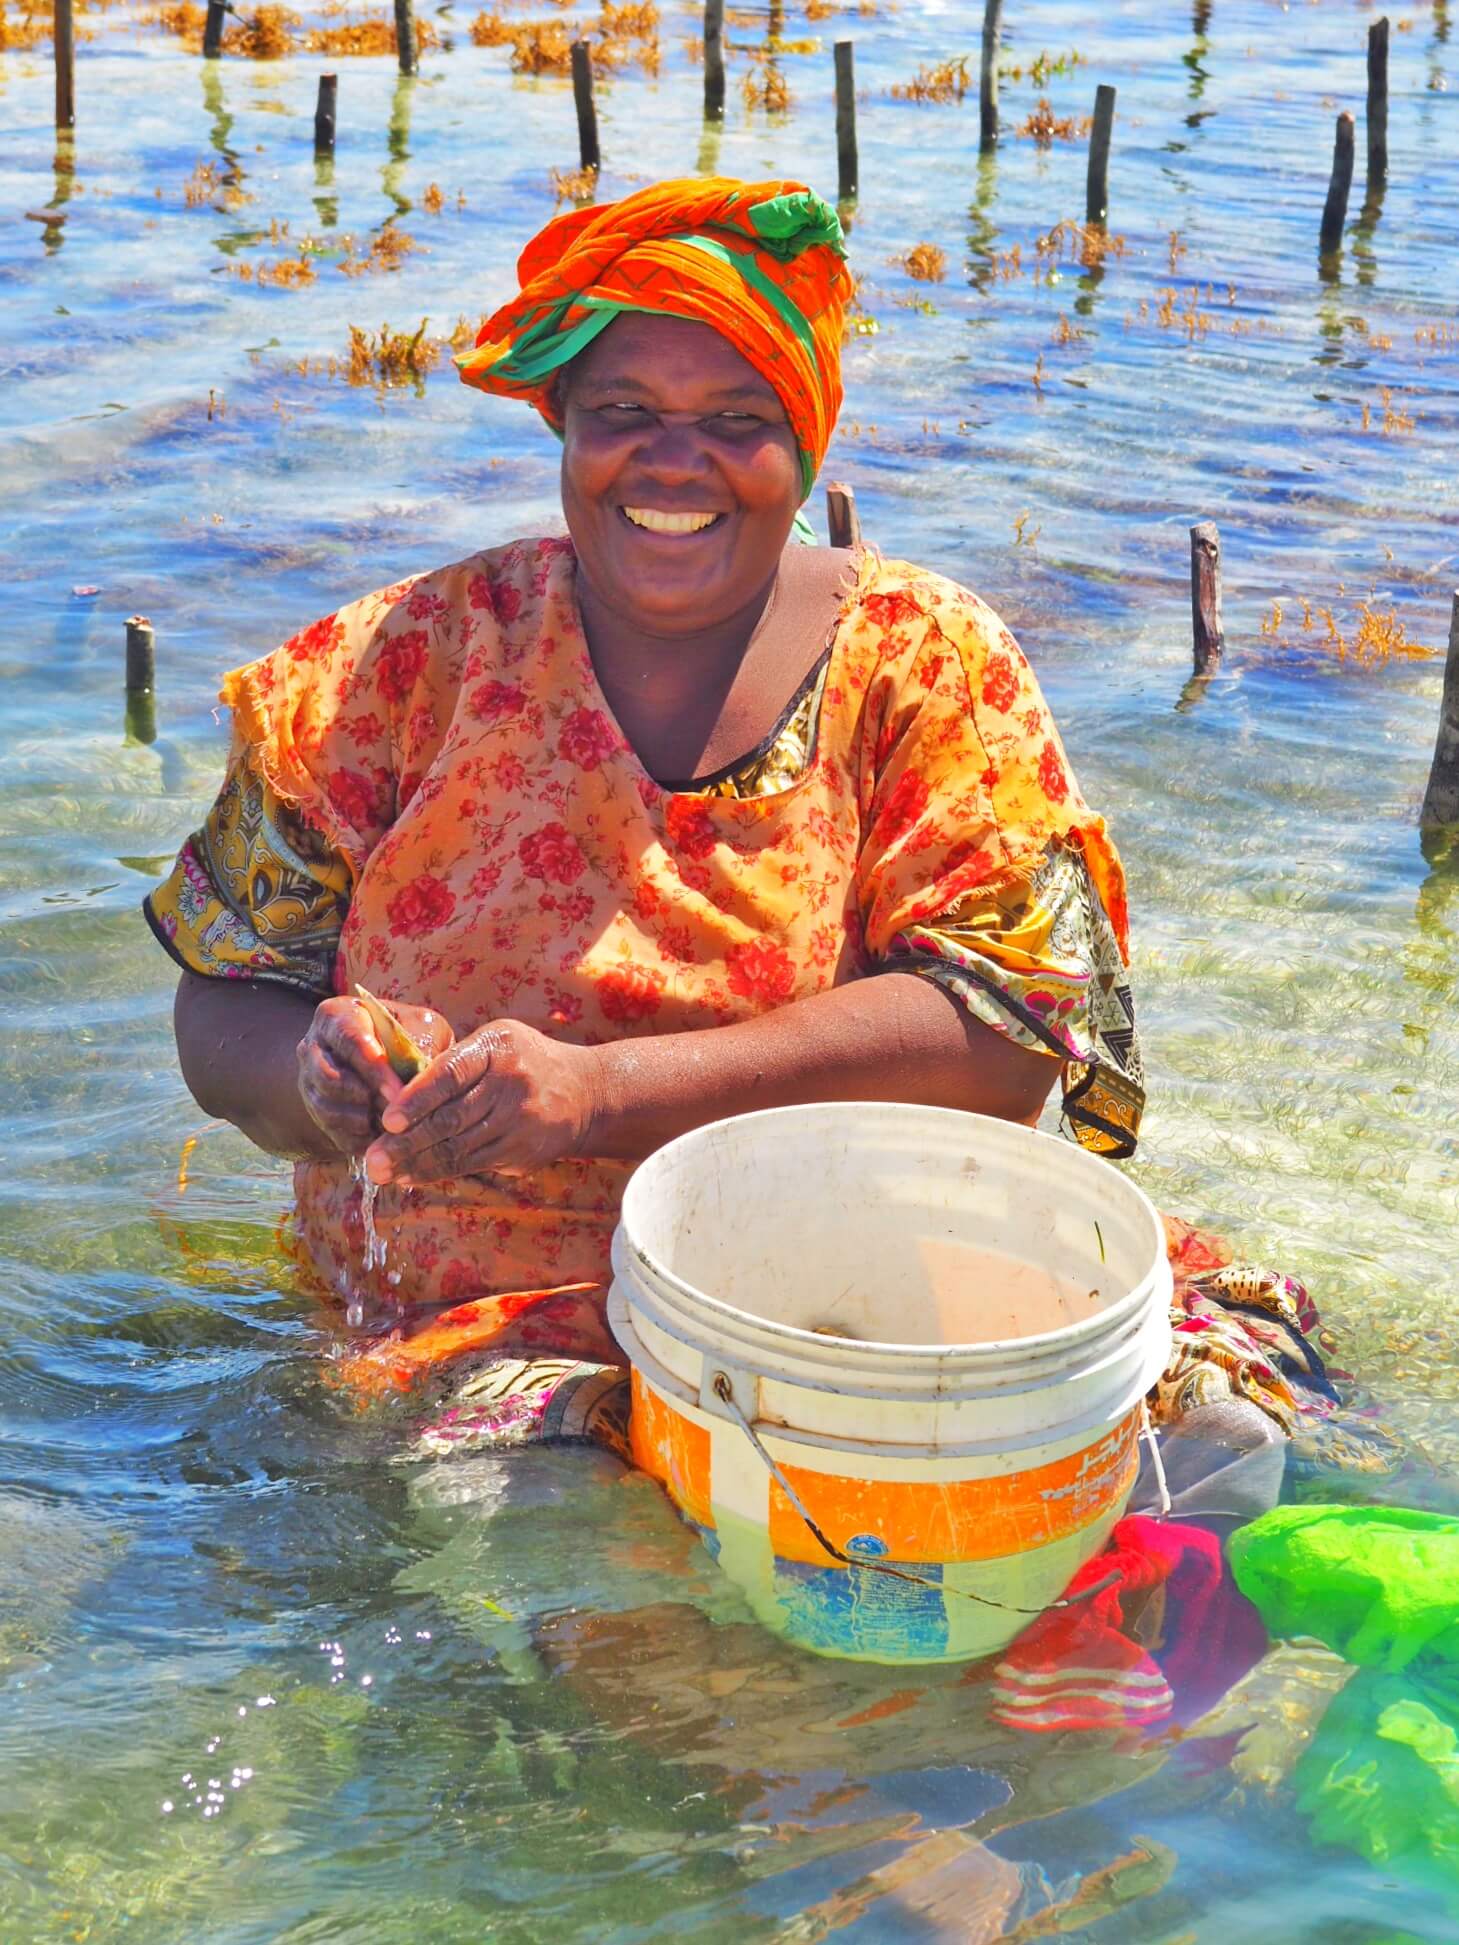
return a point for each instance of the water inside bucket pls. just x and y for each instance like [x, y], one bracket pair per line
[963, 1295]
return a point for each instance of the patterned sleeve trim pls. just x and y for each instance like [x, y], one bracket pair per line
[255, 894]
[1038, 961]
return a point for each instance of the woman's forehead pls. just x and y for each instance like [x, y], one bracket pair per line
[660, 356]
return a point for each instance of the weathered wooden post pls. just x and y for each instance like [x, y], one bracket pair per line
[582, 94]
[1096, 194]
[843, 523]
[213, 30]
[65, 33]
[405, 47]
[714, 60]
[1377, 105]
[847, 169]
[324, 114]
[1208, 635]
[141, 679]
[1441, 799]
[1334, 214]
[988, 84]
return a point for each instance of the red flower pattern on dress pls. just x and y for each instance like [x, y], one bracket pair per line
[422, 906]
[493, 702]
[692, 827]
[318, 640]
[629, 993]
[587, 739]
[761, 971]
[1000, 682]
[1053, 780]
[402, 658]
[357, 800]
[554, 854]
[909, 798]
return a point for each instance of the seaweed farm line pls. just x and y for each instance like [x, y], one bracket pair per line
[262, 1679]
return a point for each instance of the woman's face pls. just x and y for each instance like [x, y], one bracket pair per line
[680, 478]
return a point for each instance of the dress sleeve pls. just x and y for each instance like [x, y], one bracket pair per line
[256, 892]
[982, 867]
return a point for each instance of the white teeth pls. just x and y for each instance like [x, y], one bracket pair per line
[669, 523]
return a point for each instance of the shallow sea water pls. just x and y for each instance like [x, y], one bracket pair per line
[514, 1702]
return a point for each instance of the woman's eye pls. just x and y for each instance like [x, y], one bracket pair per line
[620, 407]
[736, 421]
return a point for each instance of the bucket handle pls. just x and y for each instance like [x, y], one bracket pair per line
[723, 1390]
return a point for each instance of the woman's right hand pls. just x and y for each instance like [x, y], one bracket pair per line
[345, 1081]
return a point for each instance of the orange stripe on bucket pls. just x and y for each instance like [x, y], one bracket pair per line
[964, 1519]
[672, 1449]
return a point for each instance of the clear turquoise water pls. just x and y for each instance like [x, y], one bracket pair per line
[569, 1730]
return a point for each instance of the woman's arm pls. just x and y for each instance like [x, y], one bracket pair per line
[300, 1077]
[507, 1099]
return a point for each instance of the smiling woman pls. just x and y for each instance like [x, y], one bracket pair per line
[623, 824]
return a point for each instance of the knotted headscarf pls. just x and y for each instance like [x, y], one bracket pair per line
[763, 263]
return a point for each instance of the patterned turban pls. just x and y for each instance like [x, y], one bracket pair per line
[763, 263]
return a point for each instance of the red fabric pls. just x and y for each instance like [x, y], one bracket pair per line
[1167, 1637]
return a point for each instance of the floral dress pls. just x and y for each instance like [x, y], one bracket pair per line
[428, 794]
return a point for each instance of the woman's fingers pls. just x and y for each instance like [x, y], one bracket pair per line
[443, 1143]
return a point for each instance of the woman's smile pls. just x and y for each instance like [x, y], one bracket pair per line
[655, 520]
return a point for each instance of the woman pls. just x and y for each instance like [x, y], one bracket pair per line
[623, 824]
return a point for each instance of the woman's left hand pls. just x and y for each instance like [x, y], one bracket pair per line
[503, 1101]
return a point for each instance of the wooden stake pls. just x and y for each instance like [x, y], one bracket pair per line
[847, 170]
[65, 66]
[843, 523]
[1335, 213]
[1096, 194]
[582, 94]
[405, 36]
[213, 30]
[1441, 799]
[988, 89]
[1209, 638]
[714, 60]
[141, 656]
[1377, 105]
[324, 114]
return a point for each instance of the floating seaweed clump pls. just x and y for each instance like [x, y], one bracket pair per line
[389, 247]
[289, 273]
[1042, 66]
[1046, 128]
[622, 33]
[767, 88]
[1377, 638]
[575, 185]
[925, 262]
[1088, 244]
[369, 33]
[947, 81]
[212, 187]
[267, 36]
[387, 357]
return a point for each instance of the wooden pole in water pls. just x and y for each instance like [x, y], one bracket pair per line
[988, 85]
[324, 114]
[1208, 635]
[714, 60]
[847, 168]
[1334, 215]
[582, 94]
[213, 30]
[65, 65]
[843, 523]
[1441, 799]
[1096, 195]
[405, 36]
[1377, 105]
[141, 656]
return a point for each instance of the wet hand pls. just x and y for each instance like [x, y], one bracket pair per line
[503, 1101]
[345, 1081]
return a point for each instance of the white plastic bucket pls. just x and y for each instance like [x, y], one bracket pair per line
[989, 1470]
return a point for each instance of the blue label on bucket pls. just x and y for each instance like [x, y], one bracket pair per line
[845, 1610]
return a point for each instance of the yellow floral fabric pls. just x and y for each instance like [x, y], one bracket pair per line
[446, 744]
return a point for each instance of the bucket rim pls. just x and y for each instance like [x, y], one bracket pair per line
[978, 1352]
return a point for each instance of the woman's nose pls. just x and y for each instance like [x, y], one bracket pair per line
[674, 451]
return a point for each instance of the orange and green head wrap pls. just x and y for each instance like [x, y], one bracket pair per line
[763, 263]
